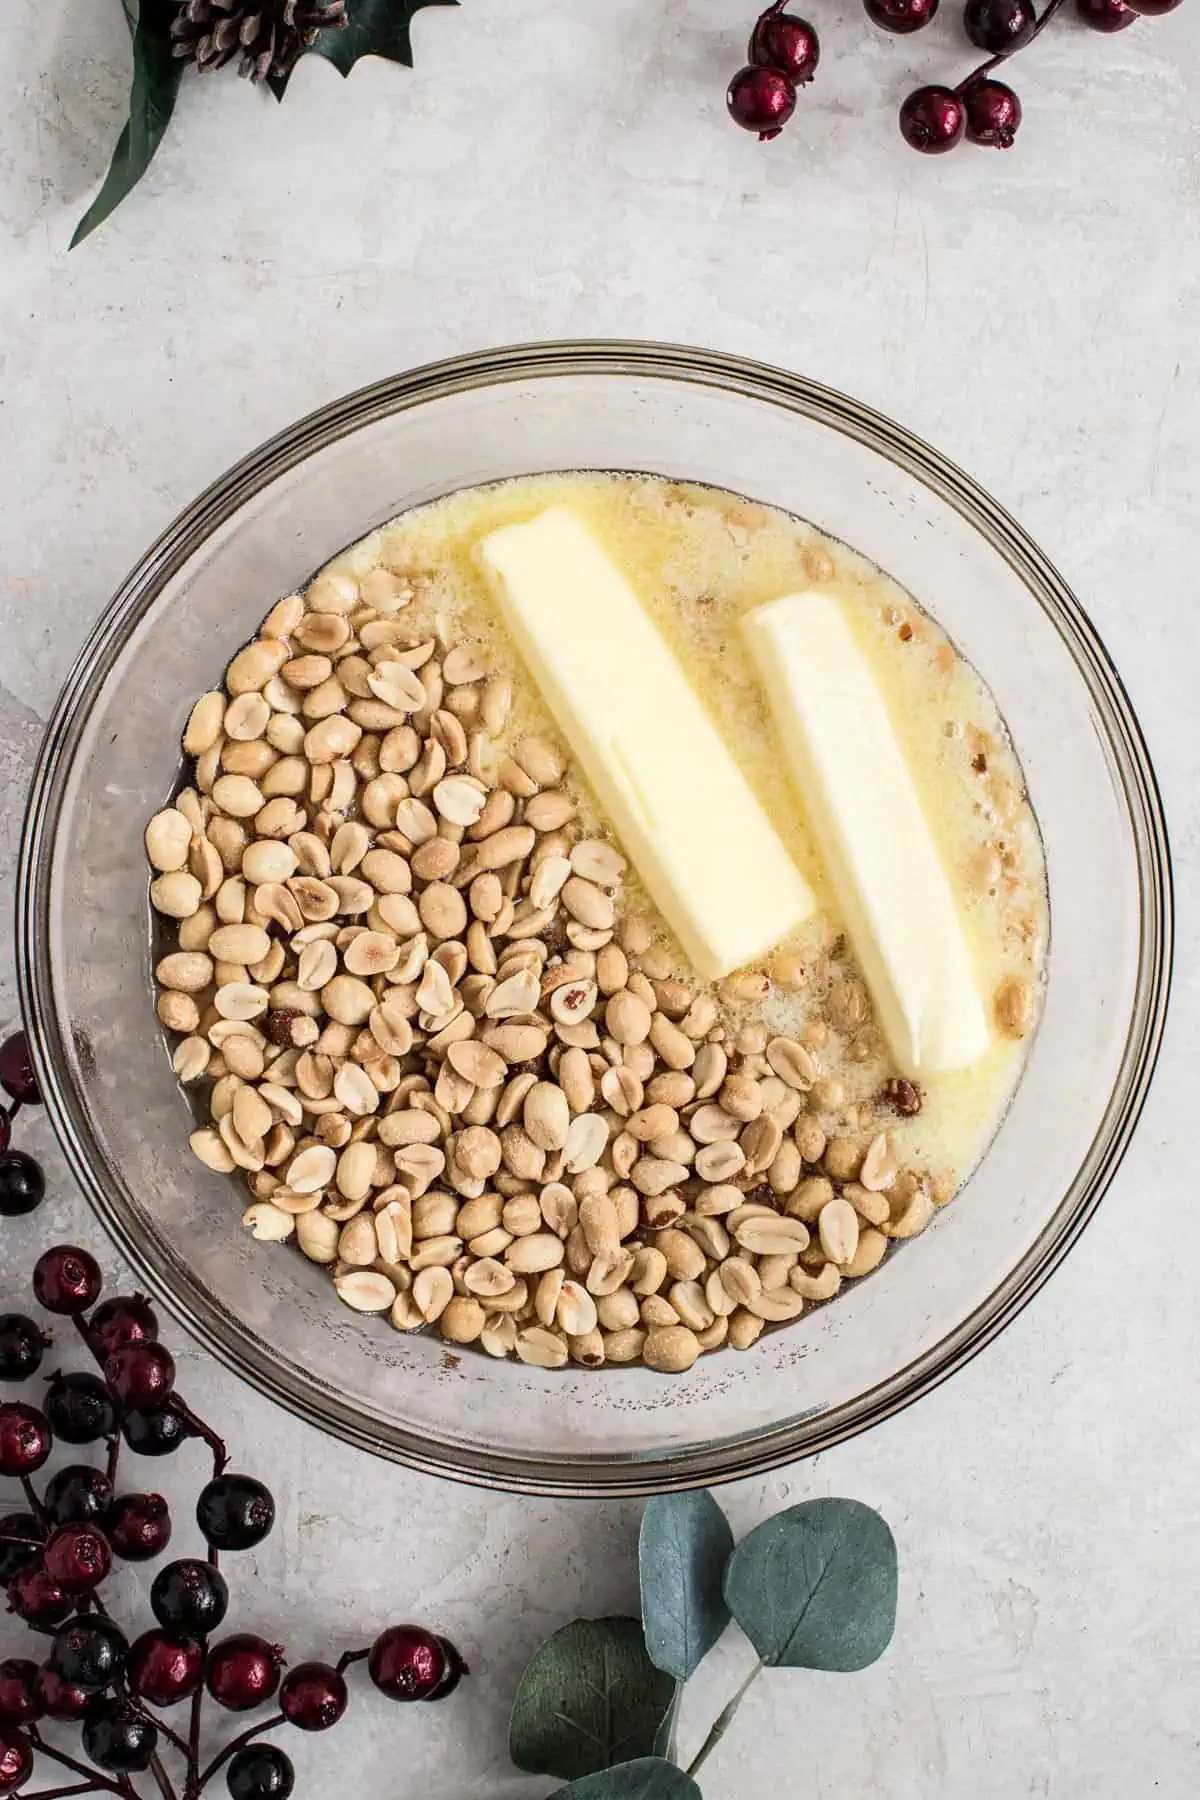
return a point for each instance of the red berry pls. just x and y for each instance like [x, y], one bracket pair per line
[123, 1320]
[16, 1760]
[22, 1184]
[34, 1597]
[26, 1439]
[407, 1662]
[993, 115]
[782, 41]
[16, 1070]
[140, 1375]
[59, 1699]
[313, 1696]
[761, 100]
[19, 1703]
[243, 1670]
[999, 26]
[67, 1279]
[77, 1557]
[139, 1526]
[901, 16]
[163, 1669]
[933, 120]
[1105, 15]
[5, 1132]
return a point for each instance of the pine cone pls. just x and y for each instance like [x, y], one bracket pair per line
[268, 35]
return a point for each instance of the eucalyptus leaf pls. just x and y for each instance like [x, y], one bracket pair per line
[156, 78]
[649, 1778]
[590, 1697]
[815, 1587]
[376, 28]
[683, 1548]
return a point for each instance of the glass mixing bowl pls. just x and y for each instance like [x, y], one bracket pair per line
[109, 761]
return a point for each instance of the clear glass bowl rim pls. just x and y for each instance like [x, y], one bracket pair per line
[772, 386]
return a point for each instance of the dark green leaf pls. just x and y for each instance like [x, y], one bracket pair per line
[815, 1587]
[376, 28]
[156, 78]
[649, 1778]
[589, 1697]
[684, 1545]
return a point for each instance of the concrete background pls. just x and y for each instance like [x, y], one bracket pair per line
[570, 171]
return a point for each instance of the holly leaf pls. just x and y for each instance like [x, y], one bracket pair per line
[590, 1697]
[376, 28]
[684, 1545]
[156, 78]
[649, 1778]
[815, 1587]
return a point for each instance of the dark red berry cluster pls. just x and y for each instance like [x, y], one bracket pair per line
[58, 1549]
[22, 1184]
[934, 118]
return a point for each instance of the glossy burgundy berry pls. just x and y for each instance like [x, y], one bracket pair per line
[781, 40]
[163, 1670]
[22, 1346]
[78, 1557]
[26, 1439]
[456, 1668]
[901, 16]
[243, 1670]
[933, 120]
[89, 1653]
[1105, 15]
[407, 1662]
[22, 1184]
[78, 1495]
[313, 1696]
[235, 1512]
[761, 100]
[999, 26]
[16, 1070]
[157, 1432]
[80, 1409]
[123, 1320]
[37, 1599]
[67, 1279]
[58, 1699]
[190, 1598]
[5, 1131]
[140, 1376]
[119, 1739]
[16, 1759]
[19, 1702]
[260, 1772]
[20, 1544]
[993, 116]
[139, 1526]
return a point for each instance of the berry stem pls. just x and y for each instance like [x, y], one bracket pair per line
[165, 1787]
[60, 1793]
[98, 1781]
[351, 1656]
[994, 62]
[114, 1457]
[217, 1445]
[231, 1749]
[33, 1502]
[14, 1537]
[143, 1712]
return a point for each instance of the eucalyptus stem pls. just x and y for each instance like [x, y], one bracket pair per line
[724, 1719]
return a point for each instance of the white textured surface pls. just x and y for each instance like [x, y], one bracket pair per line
[568, 170]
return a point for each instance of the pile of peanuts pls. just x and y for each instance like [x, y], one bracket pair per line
[450, 1062]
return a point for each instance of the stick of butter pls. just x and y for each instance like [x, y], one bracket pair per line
[887, 875]
[679, 804]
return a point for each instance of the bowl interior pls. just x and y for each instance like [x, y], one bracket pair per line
[109, 761]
